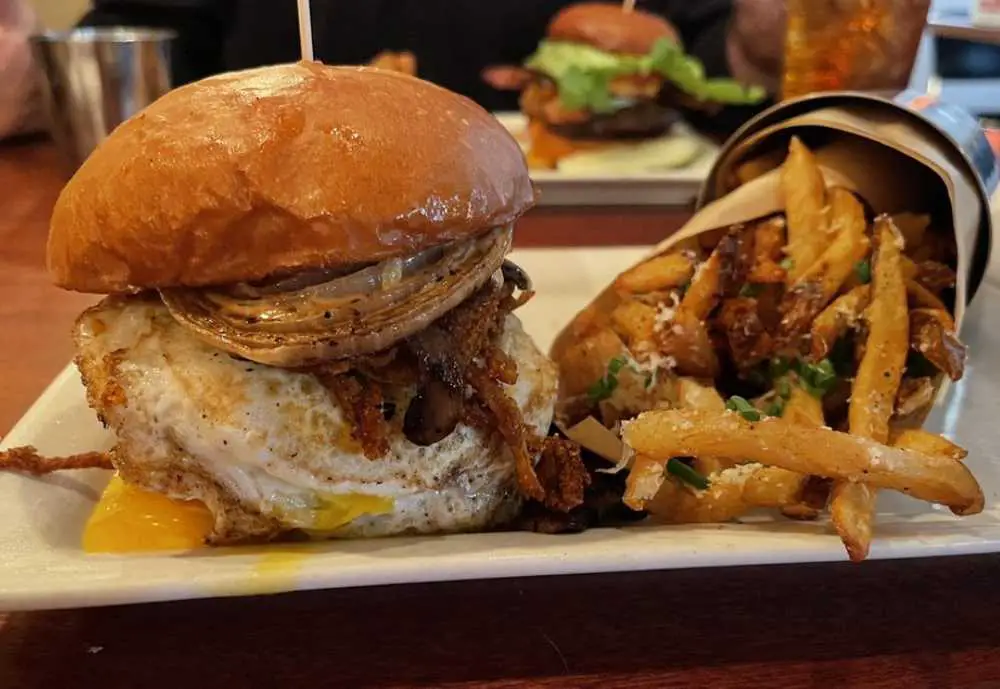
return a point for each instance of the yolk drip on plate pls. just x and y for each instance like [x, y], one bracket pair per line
[131, 519]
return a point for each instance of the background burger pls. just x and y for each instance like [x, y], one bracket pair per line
[309, 322]
[605, 76]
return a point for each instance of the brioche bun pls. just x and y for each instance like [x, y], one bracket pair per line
[271, 170]
[609, 27]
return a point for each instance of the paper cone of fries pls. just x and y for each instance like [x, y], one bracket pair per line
[822, 282]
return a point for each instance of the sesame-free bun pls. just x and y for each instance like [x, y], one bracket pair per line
[609, 27]
[269, 170]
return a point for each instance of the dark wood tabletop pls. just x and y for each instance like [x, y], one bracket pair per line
[920, 623]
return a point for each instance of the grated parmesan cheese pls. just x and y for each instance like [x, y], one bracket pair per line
[875, 456]
[665, 312]
[698, 271]
[737, 474]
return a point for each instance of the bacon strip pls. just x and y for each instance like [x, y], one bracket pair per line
[362, 402]
[27, 460]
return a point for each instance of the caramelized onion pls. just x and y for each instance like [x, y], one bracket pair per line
[318, 316]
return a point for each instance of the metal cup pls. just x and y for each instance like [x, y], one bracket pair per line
[97, 78]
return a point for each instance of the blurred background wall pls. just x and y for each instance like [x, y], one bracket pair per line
[59, 14]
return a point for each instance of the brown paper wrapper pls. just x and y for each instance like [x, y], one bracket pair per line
[895, 162]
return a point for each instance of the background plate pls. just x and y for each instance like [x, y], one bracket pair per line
[42, 566]
[668, 188]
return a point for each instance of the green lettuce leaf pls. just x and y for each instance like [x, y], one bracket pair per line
[583, 73]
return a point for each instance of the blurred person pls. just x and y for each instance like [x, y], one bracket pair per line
[453, 41]
[19, 84]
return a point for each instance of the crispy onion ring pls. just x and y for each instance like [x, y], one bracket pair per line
[320, 316]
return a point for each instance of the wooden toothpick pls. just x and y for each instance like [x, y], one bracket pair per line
[305, 30]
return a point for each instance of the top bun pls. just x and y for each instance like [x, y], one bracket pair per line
[611, 28]
[244, 175]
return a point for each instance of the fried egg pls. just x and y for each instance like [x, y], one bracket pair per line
[267, 450]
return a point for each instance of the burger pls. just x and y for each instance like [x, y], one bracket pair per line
[308, 325]
[607, 77]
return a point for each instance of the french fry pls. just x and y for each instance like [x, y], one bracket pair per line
[852, 510]
[718, 275]
[666, 433]
[749, 341]
[919, 440]
[703, 293]
[675, 504]
[932, 334]
[819, 284]
[774, 487]
[692, 394]
[686, 340]
[836, 319]
[665, 272]
[731, 492]
[768, 240]
[645, 479]
[919, 297]
[806, 410]
[803, 408]
[756, 167]
[876, 384]
[585, 361]
[804, 193]
[935, 276]
[915, 395]
[881, 369]
[684, 336]
[634, 322]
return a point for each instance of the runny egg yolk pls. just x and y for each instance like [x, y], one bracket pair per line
[131, 519]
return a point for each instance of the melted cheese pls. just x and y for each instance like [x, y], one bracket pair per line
[130, 519]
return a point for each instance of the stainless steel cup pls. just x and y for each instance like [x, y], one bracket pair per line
[97, 78]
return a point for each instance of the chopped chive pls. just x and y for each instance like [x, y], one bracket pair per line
[680, 469]
[863, 271]
[605, 387]
[602, 389]
[776, 407]
[817, 379]
[787, 263]
[742, 407]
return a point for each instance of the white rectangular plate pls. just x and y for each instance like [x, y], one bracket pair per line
[662, 188]
[42, 566]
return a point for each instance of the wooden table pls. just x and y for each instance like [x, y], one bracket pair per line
[931, 623]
